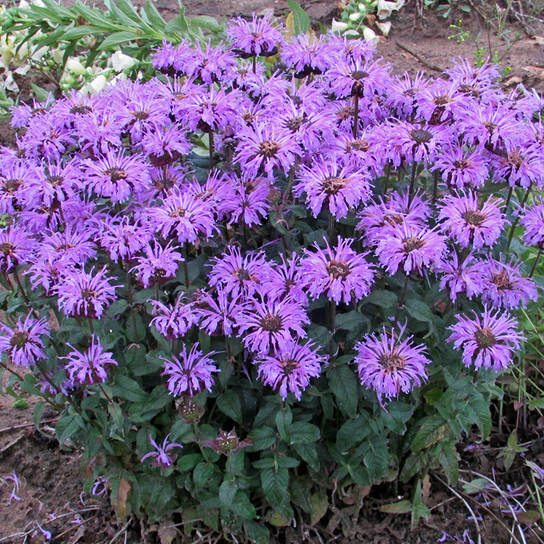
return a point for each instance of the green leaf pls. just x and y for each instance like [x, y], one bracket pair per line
[154, 18]
[283, 420]
[351, 321]
[37, 414]
[303, 433]
[242, 506]
[419, 509]
[449, 459]
[302, 21]
[227, 491]
[68, 426]
[400, 507]
[288, 462]
[320, 335]
[383, 299]
[135, 330]
[343, 383]
[117, 38]
[433, 430]
[419, 311]
[308, 453]
[320, 505]
[202, 473]
[206, 22]
[189, 462]
[266, 462]
[229, 404]
[117, 308]
[275, 485]
[375, 456]
[263, 438]
[128, 389]
[352, 432]
[396, 416]
[301, 494]
[41, 94]
[257, 532]
[178, 24]
[417, 463]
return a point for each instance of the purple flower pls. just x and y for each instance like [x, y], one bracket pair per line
[116, 176]
[533, 221]
[256, 37]
[73, 246]
[249, 203]
[357, 78]
[191, 373]
[123, 238]
[521, 167]
[308, 54]
[387, 365]
[461, 168]
[468, 222]
[213, 111]
[290, 368]
[16, 247]
[23, 344]
[165, 146]
[466, 277]
[184, 216]
[284, 280]
[48, 272]
[328, 183]
[47, 137]
[488, 340]
[410, 248]
[265, 147]
[378, 218]
[85, 295]
[90, 367]
[158, 266]
[174, 321]
[340, 273]
[505, 286]
[271, 324]
[239, 275]
[15, 177]
[218, 313]
[162, 459]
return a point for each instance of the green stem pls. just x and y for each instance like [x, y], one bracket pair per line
[412, 182]
[185, 266]
[211, 149]
[355, 115]
[387, 176]
[435, 186]
[332, 230]
[515, 223]
[20, 378]
[509, 197]
[402, 299]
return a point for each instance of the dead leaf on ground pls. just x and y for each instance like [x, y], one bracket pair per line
[535, 71]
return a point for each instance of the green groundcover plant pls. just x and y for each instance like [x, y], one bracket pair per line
[271, 276]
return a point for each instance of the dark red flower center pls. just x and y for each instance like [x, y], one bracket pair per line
[489, 126]
[474, 217]
[55, 180]
[178, 212]
[359, 74]
[19, 339]
[502, 281]
[333, 185]
[392, 362]
[515, 159]
[338, 269]
[140, 115]
[289, 366]
[421, 136]
[6, 248]
[442, 100]
[394, 219]
[295, 123]
[83, 110]
[271, 323]
[269, 148]
[462, 164]
[413, 243]
[485, 338]
[11, 185]
[359, 145]
[116, 174]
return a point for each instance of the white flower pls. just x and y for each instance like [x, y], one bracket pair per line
[370, 36]
[338, 26]
[120, 62]
[74, 66]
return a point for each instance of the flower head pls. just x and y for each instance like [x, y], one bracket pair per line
[158, 266]
[160, 455]
[488, 340]
[91, 366]
[191, 373]
[290, 367]
[23, 344]
[340, 273]
[533, 221]
[174, 321]
[388, 365]
[256, 37]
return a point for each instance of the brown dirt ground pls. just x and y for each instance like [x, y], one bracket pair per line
[51, 489]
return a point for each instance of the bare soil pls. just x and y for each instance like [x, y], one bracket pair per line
[50, 505]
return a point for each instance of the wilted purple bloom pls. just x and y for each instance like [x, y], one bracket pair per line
[410, 248]
[388, 365]
[461, 168]
[16, 248]
[271, 324]
[284, 280]
[290, 367]
[73, 246]
[466, 277]
[265, 147]
[308, 54]
[84, 294]
[218, 313]
[123, 238]
[23, 345]
[239, 275]
[488, 340]
[468, 222]
[116, 176]
[174, 321]
[505, 286]
[328, 183]
[162, 459]
[191, 373]
[90, 367]
[339, 272]
[259, 37]
[533, 221]
[376, 219]
[183, 216]
[158, 266]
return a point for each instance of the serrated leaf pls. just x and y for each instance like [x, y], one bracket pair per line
[350, 321]
[257, 532]
[265, 463]
[433, 430]
[383, 299]
[303, 433]
[263, 438]
[288, 462]
[352, 432]
[320, 505]
[375, 456]
[419, 311]
[189, 461]
[242, 506]
[275, 485]
[129, 389]
[449, 459]
[229, 404]
[202, 473]
[396, 416]
[308, 452]
[419, 510]
[68, 426]
[227, 491]
[283, 420]
[344, 385]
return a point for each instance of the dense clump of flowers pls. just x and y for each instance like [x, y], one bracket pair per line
[23, 344]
